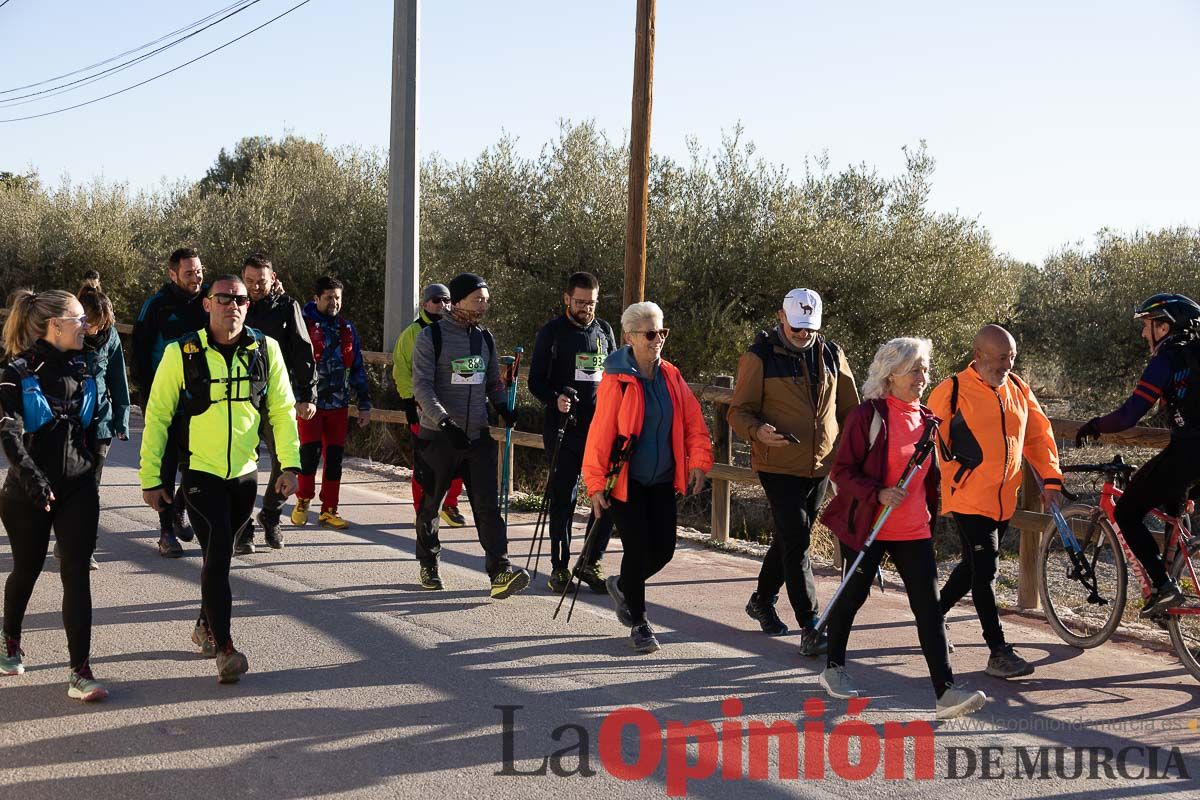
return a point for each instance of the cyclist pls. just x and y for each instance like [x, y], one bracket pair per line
[1171, 327]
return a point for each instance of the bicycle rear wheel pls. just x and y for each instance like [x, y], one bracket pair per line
[1185, 628]
[1077, 615]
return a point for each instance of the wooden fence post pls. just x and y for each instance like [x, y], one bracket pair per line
[722, 454]
[1031, 540]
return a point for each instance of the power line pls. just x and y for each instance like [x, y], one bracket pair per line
[161, 74]
[79, 83]
[137, 49]
[6, 2]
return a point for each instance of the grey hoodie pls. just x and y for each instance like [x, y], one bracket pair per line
[462, 382]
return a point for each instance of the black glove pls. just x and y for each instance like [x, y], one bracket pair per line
[1090, 430]
[409, 406]
[509, 416]
[457, 436]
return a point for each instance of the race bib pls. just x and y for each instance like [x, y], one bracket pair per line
[589, 367]
[467, 371]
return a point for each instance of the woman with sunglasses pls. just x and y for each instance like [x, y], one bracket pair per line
[643, 400]
[47, 403]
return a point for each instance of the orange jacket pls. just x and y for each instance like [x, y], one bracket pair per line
[984, 440]
[621, 411]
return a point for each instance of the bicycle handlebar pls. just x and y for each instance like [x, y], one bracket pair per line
[1115, 467]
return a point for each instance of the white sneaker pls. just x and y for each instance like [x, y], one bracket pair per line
[836, 683]
[958, 701]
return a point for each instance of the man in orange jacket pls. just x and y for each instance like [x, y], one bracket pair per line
[991, 423]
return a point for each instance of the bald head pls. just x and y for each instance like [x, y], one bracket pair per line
[995, 352]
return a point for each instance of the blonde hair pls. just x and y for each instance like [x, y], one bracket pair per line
[894, 358]
[29, 316]
[637, 313]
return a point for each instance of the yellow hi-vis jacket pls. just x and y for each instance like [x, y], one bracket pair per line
[224, 439]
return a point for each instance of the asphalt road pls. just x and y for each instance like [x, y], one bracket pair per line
[363, 685]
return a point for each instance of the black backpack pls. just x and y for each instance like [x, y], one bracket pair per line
[197, 380]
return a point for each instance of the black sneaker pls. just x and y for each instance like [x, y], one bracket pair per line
[624, 615]
[508, 583]
[559, 580]
[181, 529]
[771, 624]
[169, 546]
[642, 638]
[271, 531]
[1162, 599]
[430, 579]
[1005, 663]
[593, 575]
[244, 546]
[813, 642]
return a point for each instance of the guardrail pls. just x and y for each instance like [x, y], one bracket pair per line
[1030, 520]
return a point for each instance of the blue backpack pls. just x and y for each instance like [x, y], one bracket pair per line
[39, 410]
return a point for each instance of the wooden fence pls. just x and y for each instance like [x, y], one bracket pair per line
[1030, 520]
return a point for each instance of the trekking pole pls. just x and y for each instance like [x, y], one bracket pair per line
[622, 449]
[511, 364]
[539, 527]
[922, 451]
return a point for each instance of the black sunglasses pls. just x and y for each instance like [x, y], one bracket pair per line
[652, 335]
[224, 298]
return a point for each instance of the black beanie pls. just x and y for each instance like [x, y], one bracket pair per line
[462, 285]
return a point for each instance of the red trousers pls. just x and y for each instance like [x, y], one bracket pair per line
[322, 437]
[456, 485]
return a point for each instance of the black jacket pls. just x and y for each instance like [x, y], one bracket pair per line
[168, 314]
[565, 354]
[60, 454]
[280, 317]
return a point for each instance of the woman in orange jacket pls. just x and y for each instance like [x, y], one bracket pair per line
[644, 405]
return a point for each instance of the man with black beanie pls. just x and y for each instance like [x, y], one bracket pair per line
[455, 372]
[567, 364]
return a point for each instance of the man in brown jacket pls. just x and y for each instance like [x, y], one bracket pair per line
[794, 389]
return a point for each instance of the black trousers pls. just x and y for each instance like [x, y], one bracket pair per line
[272, 499]
[74, 516]
[976, 573]
[563, 489]
[917, 566]
[440, 461]
[1163, 482]
[794, 504]
[100, 456]
[175, 458]
[219, 509]
[645, 522]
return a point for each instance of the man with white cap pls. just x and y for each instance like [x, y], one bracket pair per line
[435, 301]
[794, 389]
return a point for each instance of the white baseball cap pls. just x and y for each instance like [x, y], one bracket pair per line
[802, 307]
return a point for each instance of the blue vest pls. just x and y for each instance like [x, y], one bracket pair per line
[38, 410]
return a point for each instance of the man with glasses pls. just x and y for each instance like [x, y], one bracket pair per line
[794, 389]
[174, 310]
[277, 315]
[567, 365]
[435, 300]
[337, 353]
[455, 373]
[224, 379]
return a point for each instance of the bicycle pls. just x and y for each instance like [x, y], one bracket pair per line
[1084, 564]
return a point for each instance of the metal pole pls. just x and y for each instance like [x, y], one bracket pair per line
[404, 192]
[639, 156]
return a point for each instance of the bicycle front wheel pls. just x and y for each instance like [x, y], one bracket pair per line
[1082, 614]
[1185, 628]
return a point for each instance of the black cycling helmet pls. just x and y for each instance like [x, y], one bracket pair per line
[1176, 309]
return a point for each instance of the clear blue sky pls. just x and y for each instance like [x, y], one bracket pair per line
[1048, 120]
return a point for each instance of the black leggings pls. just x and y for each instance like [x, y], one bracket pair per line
[1163, 481]
[563, 490]
[218, 509]
[917, 566]
[645, 521]
[976, 573]
[74, 516]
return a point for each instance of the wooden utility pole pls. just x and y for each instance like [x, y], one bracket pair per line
[404, 190]
[639, 156]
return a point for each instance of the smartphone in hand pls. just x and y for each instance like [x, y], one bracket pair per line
[789, 437]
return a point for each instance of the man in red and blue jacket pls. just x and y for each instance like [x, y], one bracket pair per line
[338, 356]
